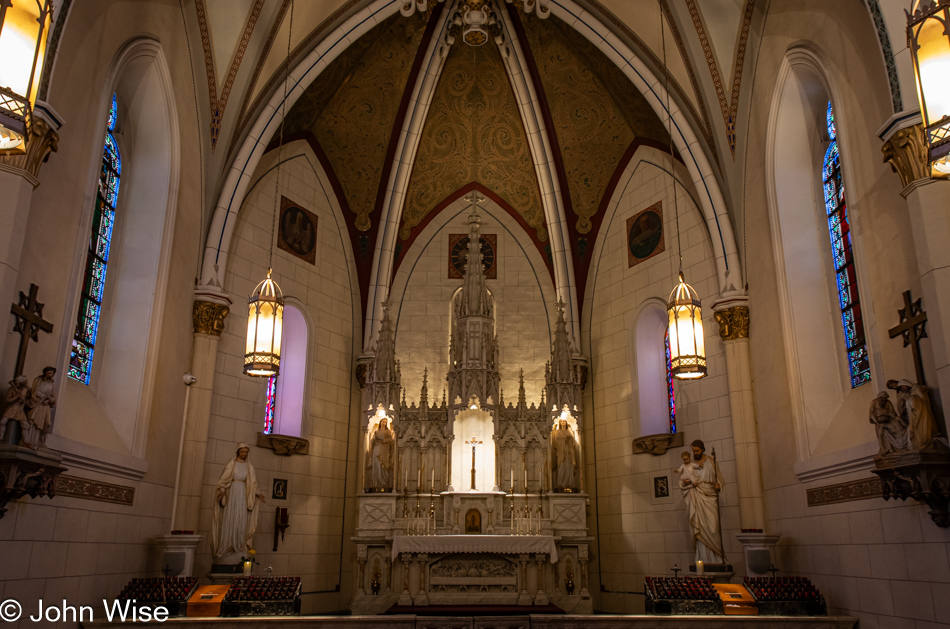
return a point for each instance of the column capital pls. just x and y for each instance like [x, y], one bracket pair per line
[906, 150]
[732, 315]
[41, 140]
[208, 317]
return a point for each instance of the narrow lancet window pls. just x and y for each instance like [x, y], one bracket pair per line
[670, 395]
[97, 258]
[839, 227]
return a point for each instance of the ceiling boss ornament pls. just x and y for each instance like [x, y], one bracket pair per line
[475, 21]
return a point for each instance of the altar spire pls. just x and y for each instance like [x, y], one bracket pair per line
[473, 348]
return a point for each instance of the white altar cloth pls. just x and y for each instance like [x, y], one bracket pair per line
[501, 544]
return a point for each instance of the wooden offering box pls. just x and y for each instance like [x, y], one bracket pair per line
[736, 600]
[206, 601]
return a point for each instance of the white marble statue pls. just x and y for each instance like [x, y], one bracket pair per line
[381, 450]
[564, 459]
[235, 506]
[913, 405]
[40, 409]
[702, 483]
[890, 426]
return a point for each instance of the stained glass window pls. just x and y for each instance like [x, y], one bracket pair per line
[670, 395]
[839, 227]
[270, 405]
[97, 258]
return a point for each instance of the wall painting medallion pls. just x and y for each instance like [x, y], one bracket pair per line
[458, 253]
[661, 486]
[645, 234]
[297, 231]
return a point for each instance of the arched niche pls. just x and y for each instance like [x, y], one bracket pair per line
[649, 365]
[829, 414]
[292, 386]
[111, 413]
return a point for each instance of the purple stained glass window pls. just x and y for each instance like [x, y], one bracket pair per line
[270, 405]
[670, 395]
[97, 257]
[839, 229]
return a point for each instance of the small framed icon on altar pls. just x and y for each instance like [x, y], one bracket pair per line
[473, 522]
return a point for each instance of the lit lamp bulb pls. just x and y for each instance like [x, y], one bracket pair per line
[930, 46]
[265, 315]
[687, 343]
[24, 27]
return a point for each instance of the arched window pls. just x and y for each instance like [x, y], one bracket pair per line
[654, 377]
[839, 228]
[284, 405]
[97, 258]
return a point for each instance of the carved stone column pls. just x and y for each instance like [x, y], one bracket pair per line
[210, 311]
[405, 598]
[422, 598]
[928, 212]
[19, 169]
[732, 314]
[540, 598]
[523, 597]
[361, 567]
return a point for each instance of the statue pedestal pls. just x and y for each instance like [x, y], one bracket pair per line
[759, 551]
[177, 554]
[27, 472]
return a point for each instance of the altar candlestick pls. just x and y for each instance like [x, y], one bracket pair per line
[512, 483]
[540, 481]
[405, 477]
[419, 480]
[525, 485]
[432, 483]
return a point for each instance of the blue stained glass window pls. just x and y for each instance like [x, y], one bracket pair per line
[670, 395]
[97, 258]
[270, 405]
[839, 229]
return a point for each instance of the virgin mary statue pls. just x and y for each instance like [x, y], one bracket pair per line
[235, 506]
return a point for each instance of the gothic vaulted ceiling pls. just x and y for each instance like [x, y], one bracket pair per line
[473, 135]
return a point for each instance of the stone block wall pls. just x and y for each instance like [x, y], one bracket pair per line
[637, 533]
[316, 546]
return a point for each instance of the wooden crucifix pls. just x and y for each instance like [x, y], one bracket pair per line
[912, 327]
[28, 314]
[473, 443]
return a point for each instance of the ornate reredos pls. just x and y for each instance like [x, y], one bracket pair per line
[515, 436]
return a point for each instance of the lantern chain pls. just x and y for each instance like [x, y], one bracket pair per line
[669, 113]
[280, 142]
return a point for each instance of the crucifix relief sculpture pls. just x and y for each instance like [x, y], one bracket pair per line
[30, 408]
[473, 442]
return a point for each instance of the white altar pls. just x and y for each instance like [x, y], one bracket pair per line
[471, 501]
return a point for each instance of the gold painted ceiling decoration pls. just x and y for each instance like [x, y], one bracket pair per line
[596, 111]
[473, 132]
[350, 109]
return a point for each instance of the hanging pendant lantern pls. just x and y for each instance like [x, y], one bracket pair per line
[24, 29]
[687, 343]
[928, 32]
[265, 316]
